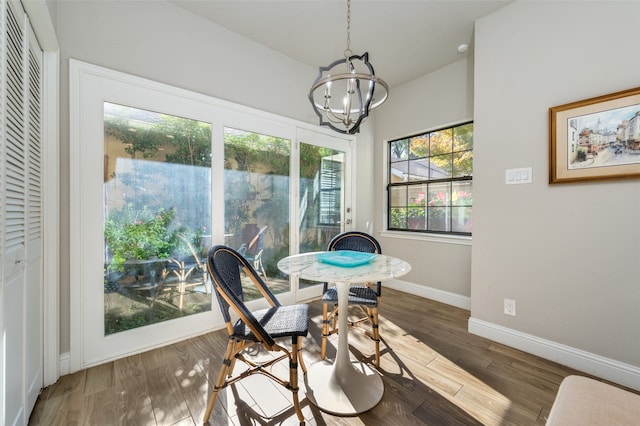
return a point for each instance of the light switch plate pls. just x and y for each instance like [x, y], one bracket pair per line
[518, 176]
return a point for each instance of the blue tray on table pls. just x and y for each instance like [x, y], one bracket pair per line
[345, 258]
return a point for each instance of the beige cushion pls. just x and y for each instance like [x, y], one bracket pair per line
[583, 401]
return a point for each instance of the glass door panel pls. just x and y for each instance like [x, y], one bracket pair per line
[256, 213]
[157, 210]
[322, 198]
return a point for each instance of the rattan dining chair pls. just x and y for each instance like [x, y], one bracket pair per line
[366, 296]
[261, 327]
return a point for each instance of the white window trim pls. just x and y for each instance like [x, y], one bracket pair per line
[407, 235]
[423, 236]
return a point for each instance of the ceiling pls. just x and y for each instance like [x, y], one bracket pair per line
[405, 38]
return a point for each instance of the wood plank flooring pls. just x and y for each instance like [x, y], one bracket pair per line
[435, 373]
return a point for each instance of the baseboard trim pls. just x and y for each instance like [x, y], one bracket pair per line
[449, 298]
[596, 365]
[65, 363]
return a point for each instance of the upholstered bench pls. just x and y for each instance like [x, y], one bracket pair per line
[586, 402]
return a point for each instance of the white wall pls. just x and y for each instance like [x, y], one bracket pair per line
[158, 41]
[566, 253]
[435, 100]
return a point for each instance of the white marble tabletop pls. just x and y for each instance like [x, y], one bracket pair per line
[307, 266]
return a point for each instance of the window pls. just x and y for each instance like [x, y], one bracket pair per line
[331, 173]
[430, 181]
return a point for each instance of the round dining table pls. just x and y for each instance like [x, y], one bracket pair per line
[344, 387]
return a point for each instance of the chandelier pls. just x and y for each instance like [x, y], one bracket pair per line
[343, 93]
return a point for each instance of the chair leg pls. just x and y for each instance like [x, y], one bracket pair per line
[237, 348]
[204, 282]
[375, 328]
[325, 329]
[300, 359]
[293, 375]
[181, 290]
[221, 380]
[335, 318]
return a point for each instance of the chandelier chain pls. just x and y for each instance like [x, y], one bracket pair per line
[348, 52]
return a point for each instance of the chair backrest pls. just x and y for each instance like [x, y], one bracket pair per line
[356, 241]
[224, 265]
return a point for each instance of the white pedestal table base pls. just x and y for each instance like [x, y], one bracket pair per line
[353, 391]
[345, 387]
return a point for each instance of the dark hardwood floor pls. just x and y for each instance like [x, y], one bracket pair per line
[435, 373]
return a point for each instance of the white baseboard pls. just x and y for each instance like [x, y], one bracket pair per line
[65, 363]
[449, 298]
[596, 365]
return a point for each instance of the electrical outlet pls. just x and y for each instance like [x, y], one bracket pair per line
[510, 307]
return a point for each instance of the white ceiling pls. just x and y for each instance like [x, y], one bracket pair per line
[405, 38]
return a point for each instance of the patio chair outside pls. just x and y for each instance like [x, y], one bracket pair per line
[183, 268]
[253, 250]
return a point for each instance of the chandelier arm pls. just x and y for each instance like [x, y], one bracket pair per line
[333, 118]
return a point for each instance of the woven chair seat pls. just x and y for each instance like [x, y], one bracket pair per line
[358, 295]
[279, 321]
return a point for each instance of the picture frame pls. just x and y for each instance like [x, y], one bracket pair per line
[595, 139]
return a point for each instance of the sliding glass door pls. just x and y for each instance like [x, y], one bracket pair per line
[260, 200]
[158, 176]
[324, 192]
[257, 202]
[157, 213]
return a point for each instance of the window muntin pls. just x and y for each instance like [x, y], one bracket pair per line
[430, 181]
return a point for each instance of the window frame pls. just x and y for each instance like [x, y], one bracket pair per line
[448, 233]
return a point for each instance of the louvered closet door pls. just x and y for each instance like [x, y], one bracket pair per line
[33, 234]
[21, 233]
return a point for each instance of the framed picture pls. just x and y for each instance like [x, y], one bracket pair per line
[595, 139]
